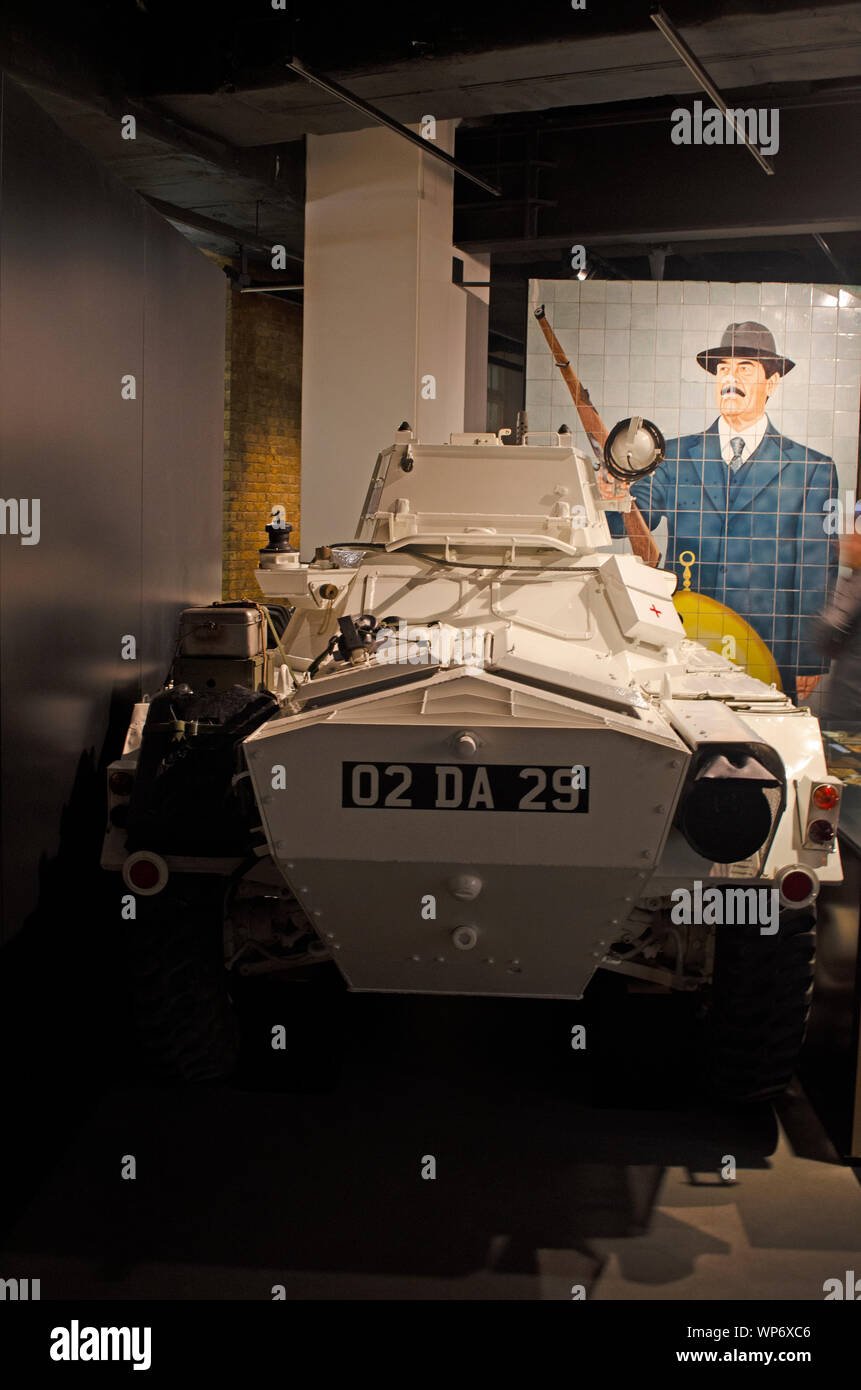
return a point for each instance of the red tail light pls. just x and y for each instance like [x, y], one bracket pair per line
[797, 887]
[821, 832]
[145, 873]
[826, 797]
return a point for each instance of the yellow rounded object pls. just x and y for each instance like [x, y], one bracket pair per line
[725, 632]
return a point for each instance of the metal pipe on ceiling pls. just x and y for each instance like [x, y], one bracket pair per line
[426, 146]
[826, 251]
[694, 66]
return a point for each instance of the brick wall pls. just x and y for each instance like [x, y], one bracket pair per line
[261, 429]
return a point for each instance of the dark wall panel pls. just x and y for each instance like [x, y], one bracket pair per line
[184, 336]
[88, 275]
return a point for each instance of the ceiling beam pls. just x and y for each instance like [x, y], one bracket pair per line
[164, 128]
[662, 235]
[196, 220]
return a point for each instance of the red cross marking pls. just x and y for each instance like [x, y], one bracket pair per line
[656, 611]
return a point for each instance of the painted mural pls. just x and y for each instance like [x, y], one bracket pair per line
[756, 391]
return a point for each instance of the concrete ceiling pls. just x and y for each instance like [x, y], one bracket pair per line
[748, 50]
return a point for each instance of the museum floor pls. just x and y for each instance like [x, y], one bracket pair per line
[552, 1171]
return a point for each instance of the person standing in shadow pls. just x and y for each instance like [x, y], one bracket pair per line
[837, 632]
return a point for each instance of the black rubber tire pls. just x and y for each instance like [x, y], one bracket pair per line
[760, 1002]
[184, 1026]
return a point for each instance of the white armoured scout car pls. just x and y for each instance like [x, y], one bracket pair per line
[471, 751]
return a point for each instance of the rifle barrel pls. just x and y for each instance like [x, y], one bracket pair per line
[642, 541]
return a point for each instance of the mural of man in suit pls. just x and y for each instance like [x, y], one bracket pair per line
[750, 504]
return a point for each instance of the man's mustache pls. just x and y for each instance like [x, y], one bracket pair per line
[731, 391]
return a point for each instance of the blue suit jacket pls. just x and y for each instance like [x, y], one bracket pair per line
[758, 535]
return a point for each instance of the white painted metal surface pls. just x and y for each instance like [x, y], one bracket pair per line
[582, 663]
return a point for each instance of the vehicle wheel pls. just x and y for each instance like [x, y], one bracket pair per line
[183, 1021]
[759, 1008]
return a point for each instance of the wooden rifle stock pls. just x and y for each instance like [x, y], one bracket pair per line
[642, 541]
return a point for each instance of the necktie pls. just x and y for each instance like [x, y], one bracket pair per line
[736, 461]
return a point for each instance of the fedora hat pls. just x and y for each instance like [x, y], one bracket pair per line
[746, 339]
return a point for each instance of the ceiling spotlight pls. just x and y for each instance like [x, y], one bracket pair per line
[582, 274]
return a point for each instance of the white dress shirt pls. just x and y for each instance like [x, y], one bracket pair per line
[752, 437]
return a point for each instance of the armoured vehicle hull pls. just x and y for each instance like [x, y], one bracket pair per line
[494, 764]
